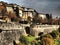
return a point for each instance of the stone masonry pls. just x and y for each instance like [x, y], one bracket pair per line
[7, 37]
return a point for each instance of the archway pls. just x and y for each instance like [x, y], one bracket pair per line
[0, 30]
[27, 30]
[14, 43]
[40, 33]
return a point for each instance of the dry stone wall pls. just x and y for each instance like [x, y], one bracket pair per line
[7, 37]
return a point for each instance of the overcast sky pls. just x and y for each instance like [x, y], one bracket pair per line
[41, 6]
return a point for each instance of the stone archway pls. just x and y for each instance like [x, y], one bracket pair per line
[27, 29]
[0, 30]
[39, 34]
[14, 43]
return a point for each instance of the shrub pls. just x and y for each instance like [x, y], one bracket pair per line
[23, 39]
[54, 34]
[47, 40]
[27, 39]
[57, 42]
[46, 35]
[38, 43]
[41, 33]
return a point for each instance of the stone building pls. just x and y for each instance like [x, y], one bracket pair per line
[20, 11]
[9, 8]
[42, 18]
[2, 10]
[41, 15]
[27, 12]
[16, 9]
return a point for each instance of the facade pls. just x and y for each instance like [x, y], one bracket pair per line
[9, 8]
[25, 14]
[45, 18]
[3, 10]
[28, 14]
[41, 15]
[9, 12]
[16, 9]
[40, 18]
[20, 11]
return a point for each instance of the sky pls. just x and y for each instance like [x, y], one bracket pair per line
[41, 6]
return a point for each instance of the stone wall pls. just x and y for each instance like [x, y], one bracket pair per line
[36, 29]
[7, 37]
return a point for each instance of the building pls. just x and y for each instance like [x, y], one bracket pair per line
[9, 8]
[16, 9]
[28, 14]
[2, 10]
[41, 15]
[39, 18]
[20, 11]
[43, 18]
[16, 12]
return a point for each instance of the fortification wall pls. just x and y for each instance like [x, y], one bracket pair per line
[7, 37]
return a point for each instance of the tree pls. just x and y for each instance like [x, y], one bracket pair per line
[47, 40]
[54, 34]
[59, 29]
[49, 18]
[37, 19]
[57, 42]
[47, 15]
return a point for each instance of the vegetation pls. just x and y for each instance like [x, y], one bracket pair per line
[30, 38]
[54, 34]
[26, 39]
[44, 39]
[57, 42]
[47, 40]
[23, 39]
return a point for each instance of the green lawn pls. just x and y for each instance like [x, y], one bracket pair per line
[30, 38]
[57, 42]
